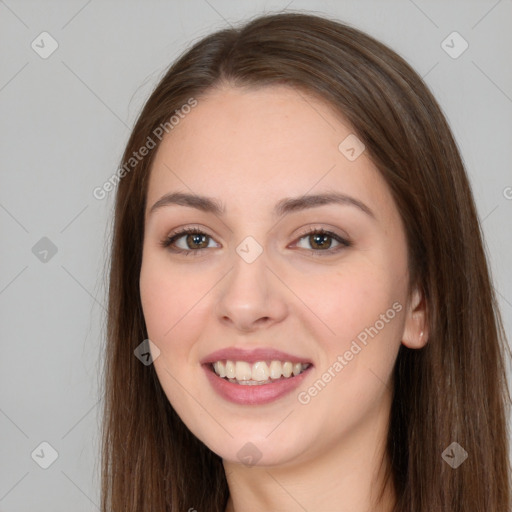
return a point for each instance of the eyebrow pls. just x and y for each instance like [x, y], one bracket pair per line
[282, 207]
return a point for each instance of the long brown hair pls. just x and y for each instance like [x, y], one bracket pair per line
[452, 390]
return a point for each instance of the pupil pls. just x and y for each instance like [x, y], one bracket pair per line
[196, 237]
[318, 237]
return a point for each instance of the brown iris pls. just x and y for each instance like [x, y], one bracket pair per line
[194, 238]
[320, 240]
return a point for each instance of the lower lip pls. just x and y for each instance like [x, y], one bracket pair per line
[256, 394]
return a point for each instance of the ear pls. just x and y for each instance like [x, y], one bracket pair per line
[416, 329]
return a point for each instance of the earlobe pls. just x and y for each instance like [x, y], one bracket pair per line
[415, 333]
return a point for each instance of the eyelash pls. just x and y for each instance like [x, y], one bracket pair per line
[168, 241]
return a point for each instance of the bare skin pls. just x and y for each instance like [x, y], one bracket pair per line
[310, 297]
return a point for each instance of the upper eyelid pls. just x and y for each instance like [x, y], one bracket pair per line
[200, 230]
[180, 232]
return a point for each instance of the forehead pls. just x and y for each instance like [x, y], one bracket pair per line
[252, 145]
[260, 122]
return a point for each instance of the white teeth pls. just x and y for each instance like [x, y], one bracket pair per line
[243, 370]
[219, 368]
[259, 372]
[276, 369]
[287, 369]
[230, 369]
[297, 368]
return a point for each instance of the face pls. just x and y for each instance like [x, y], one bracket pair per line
[272, 277]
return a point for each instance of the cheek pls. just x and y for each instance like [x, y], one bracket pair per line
[159, 297]
[167, 299]
[342, 303]
[175, 308]
[361, 307]
[364, 308]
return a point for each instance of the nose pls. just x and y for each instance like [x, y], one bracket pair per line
[251, 296]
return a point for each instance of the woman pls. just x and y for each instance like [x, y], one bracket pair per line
[300, 315]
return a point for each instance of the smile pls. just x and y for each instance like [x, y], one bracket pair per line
[244, 389]
[258, 373]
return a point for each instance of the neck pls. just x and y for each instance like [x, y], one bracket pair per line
[345, 477]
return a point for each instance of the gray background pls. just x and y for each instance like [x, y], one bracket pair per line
[64, 123]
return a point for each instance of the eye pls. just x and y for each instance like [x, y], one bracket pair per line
[194, 241]
[321, 240]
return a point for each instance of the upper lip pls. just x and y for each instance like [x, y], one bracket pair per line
[252, 355]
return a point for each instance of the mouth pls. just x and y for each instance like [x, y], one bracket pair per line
[257, 374]
[256, 383]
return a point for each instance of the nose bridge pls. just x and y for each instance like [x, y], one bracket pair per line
[249, 295]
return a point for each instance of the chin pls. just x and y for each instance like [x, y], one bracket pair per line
[256, 450]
